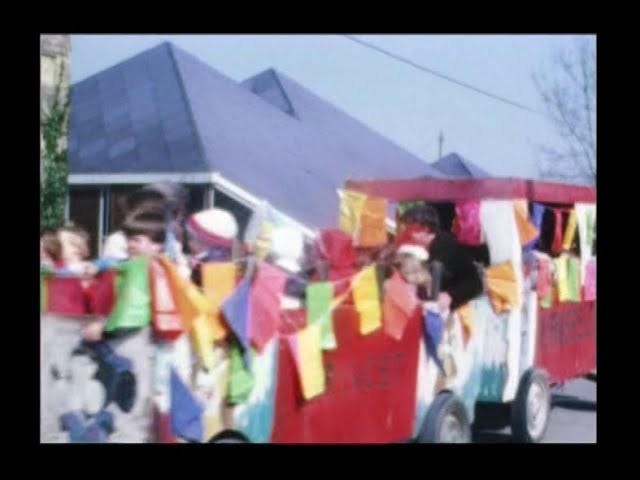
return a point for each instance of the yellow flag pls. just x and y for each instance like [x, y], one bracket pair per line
[466, 316]
[351, 205]
[309, 355]
[203, 341]
[367, 300]
[570, 232]
[563, 278]
[218, 282]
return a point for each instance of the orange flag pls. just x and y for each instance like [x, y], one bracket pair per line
[218, 282]
[373, 230]
[502, 287]
[526, 229]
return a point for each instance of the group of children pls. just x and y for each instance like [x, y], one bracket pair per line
[156, 223]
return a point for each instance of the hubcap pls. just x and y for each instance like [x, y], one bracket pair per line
[537, 409]
[452, 430]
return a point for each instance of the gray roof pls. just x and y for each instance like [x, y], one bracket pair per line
[165, 110]
[453, 165]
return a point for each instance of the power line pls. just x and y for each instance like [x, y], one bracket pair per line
[441, 75]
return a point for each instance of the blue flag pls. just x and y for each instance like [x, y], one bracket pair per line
[536, 219]
[185, 411]
[433, 327]
[236, 309]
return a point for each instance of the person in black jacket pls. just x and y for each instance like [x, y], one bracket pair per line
[455, 275]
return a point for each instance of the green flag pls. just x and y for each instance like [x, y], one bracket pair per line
[319, 297]
[240, 378]
[133, 300]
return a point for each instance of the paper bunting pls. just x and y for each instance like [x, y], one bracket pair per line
[218, 282]
[398, 305]
[562, 278]
[433, 328]
[237, 311]
[306, 349]
[570, 231]
[351, 205]
[502, 287]
[167, 323]
[185, 411]
[367, 300]
[589, 289]
[573, 279]
[319, 297]
[526, 230]
[265, 296]
[536, 220]
[556, 246]
[468, 222]
[372, 231]
[543, 284]
[240, 377]
[133, 300]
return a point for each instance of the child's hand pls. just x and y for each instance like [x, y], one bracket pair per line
[93, 331]
[444, 301]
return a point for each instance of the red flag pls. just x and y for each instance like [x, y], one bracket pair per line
[399, 304]
[167, 323]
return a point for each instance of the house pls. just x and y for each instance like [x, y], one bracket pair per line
[166, 115]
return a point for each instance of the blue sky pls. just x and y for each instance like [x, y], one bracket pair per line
[404, 104]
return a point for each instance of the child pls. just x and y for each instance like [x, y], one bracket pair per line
[50, 250]
[146, 231]
[411, 262]
[211, 235]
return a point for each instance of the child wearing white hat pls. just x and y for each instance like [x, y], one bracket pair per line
[211, 236]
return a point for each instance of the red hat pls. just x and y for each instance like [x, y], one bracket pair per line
[413, 235]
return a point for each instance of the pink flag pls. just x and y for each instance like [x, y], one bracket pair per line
[543, 286]
[468, 222]
[266, 291]
[589, 288]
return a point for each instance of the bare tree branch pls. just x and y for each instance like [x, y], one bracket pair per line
[569, 98]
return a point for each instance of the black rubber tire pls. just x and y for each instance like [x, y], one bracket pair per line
[228, 436]
[446, 403]
[519, 427]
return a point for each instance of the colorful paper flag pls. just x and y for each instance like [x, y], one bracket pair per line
[133, 300]
[468, 222]
[591, 227]
[237, 311]
[203, 341]
[218, 282]
[319, 297]
[433, 328]
[570, 231]
[527, 231]
[465, 312]
[536, 220]
[589, 289]
[190, 302]
[351, 205]
[307, 354]
[543, 284]
[240, 377]
[556, 246]
[167, 323]
[265, 297]
[367, 299]
[398, 305]
[373, 229]
[185, 411]
[562, 278]
[502, 287]
[573, 279]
